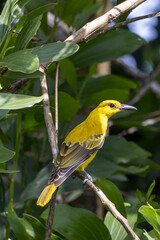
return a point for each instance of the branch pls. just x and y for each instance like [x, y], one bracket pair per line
[148, 84]
[91, 27]
[13, 87]
[120, 24]
[142, 77]
[50, 216]
[47, 114]
[52, 135]
[106, 202]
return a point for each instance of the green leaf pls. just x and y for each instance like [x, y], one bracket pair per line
[31, 23]
[5, 154]
[2, 195]
[115, 228]
[149, 192]
[119, 156]
[34, 188]
[124, 151]
[39, 10]
[21, 61]
[76, 223]
[98, 83]
[69, 73]
[17, 101]
[54, 52]
[148, 236]
[28, 227]
[107, 47]
[87, 13]
[8, 15]
[27, 33]
[139, 195]
[3, 113]
[68, 106]
[152, 216]
[112, 193]
[106, 94]
[35, 228]
[16, 75]
[17, 225]
[27, 60]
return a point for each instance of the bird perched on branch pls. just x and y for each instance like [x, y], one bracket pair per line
[81, 145]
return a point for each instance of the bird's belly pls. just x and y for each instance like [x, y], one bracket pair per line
[85, 164]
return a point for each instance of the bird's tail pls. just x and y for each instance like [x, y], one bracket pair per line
[46, 194]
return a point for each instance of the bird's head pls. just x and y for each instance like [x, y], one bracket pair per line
[111, 107]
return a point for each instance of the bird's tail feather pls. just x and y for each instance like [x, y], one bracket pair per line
[46, 195]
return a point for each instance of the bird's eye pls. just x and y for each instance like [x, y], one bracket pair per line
[112, 105]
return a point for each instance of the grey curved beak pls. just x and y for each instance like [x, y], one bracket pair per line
[127, 107]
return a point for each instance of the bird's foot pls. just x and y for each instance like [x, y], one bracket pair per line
[88, 177]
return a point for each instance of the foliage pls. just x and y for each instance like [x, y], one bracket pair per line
[120, 169]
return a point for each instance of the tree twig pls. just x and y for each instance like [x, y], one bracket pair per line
[98, 23]
[50, 216]
[52, 135]
[147, 85]
[106, 202]
[56, 101]
[47, 114]
[121, 24]
[13, 87]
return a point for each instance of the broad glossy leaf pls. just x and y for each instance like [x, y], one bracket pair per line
[77, 223]
[69, 72]
[3, 113]
[34, 188]
[115, 228]
[107, 47]
[16, 75]
[31, 24]
[17, 101]
[35, 228]
[21, 61]
[8, 15]
[112, 193]
[28, 60]
[119, 156]
[124, 151]
[98, 83]
[106, 94]
[27, 33]
[68, 106]
[152, 216]
[17, 225]
[54, 51]
[5, 154]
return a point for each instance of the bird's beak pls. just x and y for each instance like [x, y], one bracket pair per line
[126, 107]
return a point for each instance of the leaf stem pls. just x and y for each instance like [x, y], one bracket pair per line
[17, 149]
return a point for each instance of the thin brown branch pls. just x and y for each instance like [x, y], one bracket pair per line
[147, 85]
[106, 202]
[50, 216]
[13, 87]
[98, 23]
[56, 101]
[141, 77]
[121, 24]
[47, 114]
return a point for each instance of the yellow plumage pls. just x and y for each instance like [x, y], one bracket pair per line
[80, 146]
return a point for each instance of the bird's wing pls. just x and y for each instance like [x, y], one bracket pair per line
[72, 155]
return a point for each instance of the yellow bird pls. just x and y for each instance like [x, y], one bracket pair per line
[81, 145]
